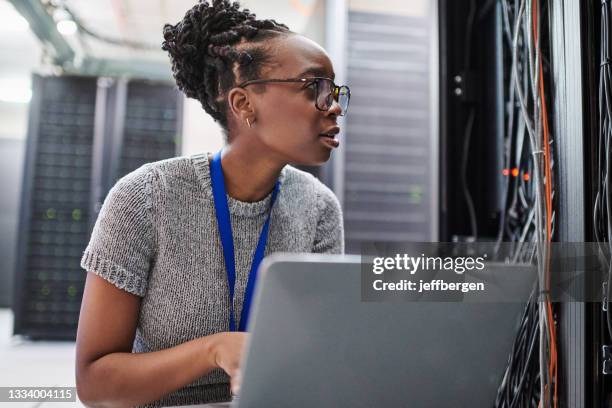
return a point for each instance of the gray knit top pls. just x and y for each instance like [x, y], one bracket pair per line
[156, 236]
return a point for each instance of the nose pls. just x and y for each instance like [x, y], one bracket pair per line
[334, 109]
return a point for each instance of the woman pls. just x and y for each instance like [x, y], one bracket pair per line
[157, 326]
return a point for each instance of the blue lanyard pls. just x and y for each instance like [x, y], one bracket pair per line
[227, 241]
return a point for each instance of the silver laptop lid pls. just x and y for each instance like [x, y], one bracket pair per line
[314, 343]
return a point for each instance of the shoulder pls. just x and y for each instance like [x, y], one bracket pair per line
[310, 193]
[135, 184]
[137, 187]
[175, 172]
[306, 187]
[175, 168]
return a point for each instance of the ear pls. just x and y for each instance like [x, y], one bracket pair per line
[241, 104]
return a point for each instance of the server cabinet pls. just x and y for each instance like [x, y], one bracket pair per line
[84, 133]
[389, 185]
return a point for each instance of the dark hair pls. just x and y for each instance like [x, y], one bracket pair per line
[203, 56]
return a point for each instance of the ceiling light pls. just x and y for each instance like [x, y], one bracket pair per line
[66, 27]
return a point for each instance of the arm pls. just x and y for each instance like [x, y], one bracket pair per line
[118, 259]
[109, 375]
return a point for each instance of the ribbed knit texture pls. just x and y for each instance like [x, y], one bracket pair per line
[156, 236]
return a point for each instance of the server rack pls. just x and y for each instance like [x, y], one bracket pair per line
[84, 133]
[390, 157]
[568, 121]
[573, 72]
[471, 121]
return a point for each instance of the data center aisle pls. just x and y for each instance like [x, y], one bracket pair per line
[27, 363]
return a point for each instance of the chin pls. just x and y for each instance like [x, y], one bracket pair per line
[318, 158]
[310, 157]
[325, 156]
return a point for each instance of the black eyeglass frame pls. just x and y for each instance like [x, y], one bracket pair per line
[335, 93]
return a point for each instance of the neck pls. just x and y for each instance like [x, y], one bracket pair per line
[249, 174]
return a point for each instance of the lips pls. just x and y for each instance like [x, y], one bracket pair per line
[331, 132]
[329, 137]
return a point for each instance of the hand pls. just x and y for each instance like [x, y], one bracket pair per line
[227, 349]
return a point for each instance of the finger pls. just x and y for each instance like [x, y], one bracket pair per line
[235, 389]
[236, 382]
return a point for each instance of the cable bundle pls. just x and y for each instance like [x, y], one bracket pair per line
[523, 125]
[602, 214]
[530, 379]
[519, 387]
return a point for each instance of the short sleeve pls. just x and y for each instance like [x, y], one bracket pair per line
[329, 237]
[120, 249]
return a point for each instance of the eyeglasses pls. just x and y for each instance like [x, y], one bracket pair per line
[326, 91]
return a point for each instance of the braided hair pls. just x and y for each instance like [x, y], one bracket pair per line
[203, 54]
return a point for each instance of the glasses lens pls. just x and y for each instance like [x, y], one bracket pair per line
[344, 96]
[324, 94]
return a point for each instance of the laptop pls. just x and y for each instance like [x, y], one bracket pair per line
[314, 343]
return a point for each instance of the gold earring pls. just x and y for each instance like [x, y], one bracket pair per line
[248, 122]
